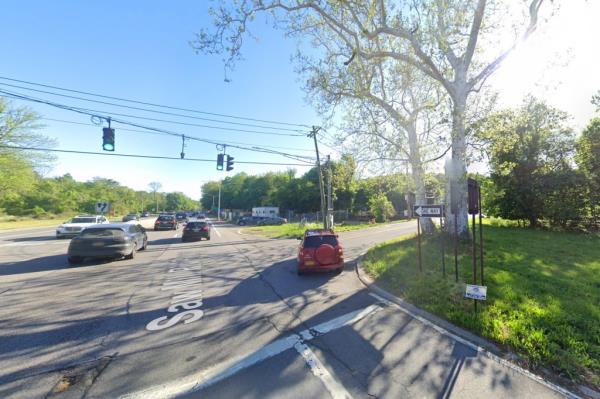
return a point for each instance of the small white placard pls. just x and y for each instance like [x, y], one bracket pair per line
[478, 292]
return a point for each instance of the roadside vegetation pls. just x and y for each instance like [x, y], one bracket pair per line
[543, 298]
[13, 222]
[293, 230]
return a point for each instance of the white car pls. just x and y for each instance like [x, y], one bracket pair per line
[78, 223]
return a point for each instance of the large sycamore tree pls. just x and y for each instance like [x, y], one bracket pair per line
[458, 44]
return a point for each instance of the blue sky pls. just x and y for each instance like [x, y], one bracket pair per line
[139, 50]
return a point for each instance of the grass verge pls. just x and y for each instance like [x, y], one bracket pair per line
[293, 230]
[12, 222]
[543, 298]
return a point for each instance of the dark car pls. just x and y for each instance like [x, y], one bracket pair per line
[196, 230]
[272, 220]
[114, 240]
[320, 251]
[130, 217]
[145, 214]
[249, 220]
[166, 222]
[181, 217]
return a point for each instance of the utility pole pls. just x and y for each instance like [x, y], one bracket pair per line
[313, 134]
[329, 195]
[219, 203]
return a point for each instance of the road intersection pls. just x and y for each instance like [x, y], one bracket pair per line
[255, 329]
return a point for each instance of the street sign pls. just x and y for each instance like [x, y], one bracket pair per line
[102, 207]
[429, 211]
[478, 292]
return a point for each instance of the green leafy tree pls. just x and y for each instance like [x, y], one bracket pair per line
[381, 207]
[525, 147]
[588, 160]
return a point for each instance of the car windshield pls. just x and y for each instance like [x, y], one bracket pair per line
[165, 218]
[104, 233]
[83, 220]
[316, 241]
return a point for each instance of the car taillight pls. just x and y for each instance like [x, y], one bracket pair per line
[205, 228]
[340, 251]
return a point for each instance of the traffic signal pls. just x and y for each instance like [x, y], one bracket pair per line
[108, 139]
[220, 162]
[229, 163]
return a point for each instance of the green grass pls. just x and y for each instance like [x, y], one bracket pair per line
[293, 230]
[543, 293]
[14, 222]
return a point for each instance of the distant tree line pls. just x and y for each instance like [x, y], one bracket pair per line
[64, 195]
[383, 196]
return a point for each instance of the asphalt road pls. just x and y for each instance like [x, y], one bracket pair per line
[251, 328]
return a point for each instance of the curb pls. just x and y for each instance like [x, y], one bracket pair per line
[479, 344]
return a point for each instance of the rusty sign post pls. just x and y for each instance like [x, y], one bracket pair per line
[428, 211]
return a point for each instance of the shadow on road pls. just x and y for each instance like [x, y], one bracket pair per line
[33, 239]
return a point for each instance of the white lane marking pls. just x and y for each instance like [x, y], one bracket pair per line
[216, 231]
[480, 350]
[219, 372]
[336, 389]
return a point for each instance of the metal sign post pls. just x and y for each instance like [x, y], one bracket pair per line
[480, 237]
[443, 254]
[428, 211]
[454, 211]
[419, 244]
[473, 191]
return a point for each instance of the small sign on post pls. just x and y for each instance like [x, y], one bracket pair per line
[429, 211]
[477, 292]
[102, 207]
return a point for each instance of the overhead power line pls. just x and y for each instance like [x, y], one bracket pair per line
[153, 104]
[151, 132]
[150, 110]
[99, 113]
[143, 156]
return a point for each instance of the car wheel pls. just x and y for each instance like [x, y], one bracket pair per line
[339, 270]
[208, 238]
[155, 229]
[132, 254]
[74, 260]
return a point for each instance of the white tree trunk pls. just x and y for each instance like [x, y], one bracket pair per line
[456, 170]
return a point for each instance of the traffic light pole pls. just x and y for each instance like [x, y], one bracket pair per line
[313, 133]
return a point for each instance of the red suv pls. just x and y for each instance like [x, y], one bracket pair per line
[319, 251]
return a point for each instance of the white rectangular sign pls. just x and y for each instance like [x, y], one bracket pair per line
[102, 207]
[478, 292]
